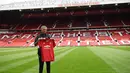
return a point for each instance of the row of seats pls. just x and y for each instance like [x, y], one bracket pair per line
[73, 38]
[74, 22]
[69, 22]
[77, 12]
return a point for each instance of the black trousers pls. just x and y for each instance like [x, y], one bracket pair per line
[41, 65]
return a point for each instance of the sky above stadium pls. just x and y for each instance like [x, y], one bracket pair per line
[12, 1]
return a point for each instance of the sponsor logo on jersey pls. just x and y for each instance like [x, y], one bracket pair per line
[47, 46]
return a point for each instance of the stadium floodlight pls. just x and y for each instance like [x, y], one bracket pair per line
[20, 10]
[42, 9]
[48, 10]
[65, 7]
[116, 4]
[89, 5]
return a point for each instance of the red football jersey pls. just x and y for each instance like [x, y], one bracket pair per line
[47, 49]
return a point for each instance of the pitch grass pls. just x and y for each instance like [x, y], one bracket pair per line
[90, 59]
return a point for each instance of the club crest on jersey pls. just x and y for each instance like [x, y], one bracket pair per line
[47, 41]
[44, 43]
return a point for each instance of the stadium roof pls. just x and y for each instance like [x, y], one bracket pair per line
[35, 4]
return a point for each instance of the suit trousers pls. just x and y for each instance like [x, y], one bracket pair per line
[41, 65]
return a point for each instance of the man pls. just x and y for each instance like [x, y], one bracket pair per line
[43, 34]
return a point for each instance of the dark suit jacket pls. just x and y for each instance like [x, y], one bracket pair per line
[41, 35]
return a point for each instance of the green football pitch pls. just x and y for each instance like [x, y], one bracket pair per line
[89, 59]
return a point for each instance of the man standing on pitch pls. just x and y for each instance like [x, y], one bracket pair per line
[43, 34]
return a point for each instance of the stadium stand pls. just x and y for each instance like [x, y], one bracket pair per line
[78, 26]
